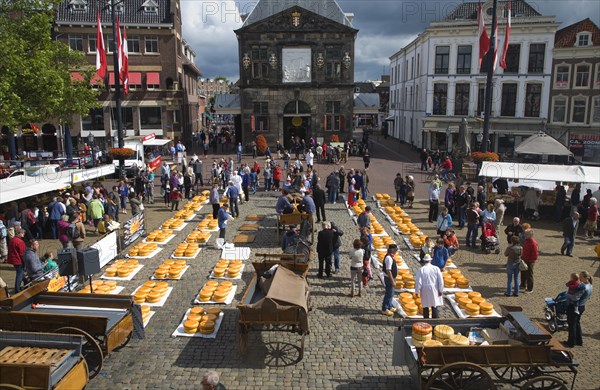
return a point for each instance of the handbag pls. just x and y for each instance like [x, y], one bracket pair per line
[523, 265]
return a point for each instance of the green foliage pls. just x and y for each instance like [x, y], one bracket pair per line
[35, 70]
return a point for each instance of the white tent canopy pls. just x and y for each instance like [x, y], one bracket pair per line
[542, 144]
[588, 176]
[156, 142]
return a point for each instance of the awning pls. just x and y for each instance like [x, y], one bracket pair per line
[156, 142]
[540, 172]
[76, 76]
[227, 104]
[152, 78]
[96, 80]
[135, 78]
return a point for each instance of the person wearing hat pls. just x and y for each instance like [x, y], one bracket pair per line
[429, 285]
[390, 271]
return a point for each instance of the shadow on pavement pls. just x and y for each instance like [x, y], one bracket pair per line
[378, 382]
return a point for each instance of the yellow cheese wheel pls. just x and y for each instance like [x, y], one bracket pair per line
[443, 331]
[458, 339]
[474, 294]
[432, 343]
[190, 326]
[421, 328]
[478, 300]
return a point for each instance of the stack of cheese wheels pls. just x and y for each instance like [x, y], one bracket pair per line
[486, 308]
[145, 312]
[190, 326]
[142, 249]
[472, 309]
[170, 269]
[449, 282]
[215, 291]
[207, 291]
[159, 235]
[408, 304]
[184, 214]
[409, 281]
[234, 269]
[220, 269]
[442, 333]
[376, 228]
[458, 339]
[207, 327]
[99, 287]
[421, 332]
[387, 241]
[197, 236]
[190, 248]
[151, 292]
[222, 291]
[378, 243]
[172, 223]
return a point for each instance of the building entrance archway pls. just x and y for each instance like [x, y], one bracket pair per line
[296, 122]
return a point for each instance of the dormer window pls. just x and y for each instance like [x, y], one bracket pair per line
[583, 39]
[118, 8]
[150, 7]
[78, 5]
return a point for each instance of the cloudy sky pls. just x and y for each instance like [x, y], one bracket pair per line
[385, 27]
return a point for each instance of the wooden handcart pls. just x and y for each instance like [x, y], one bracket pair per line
[42, 361]
[284, 307]
[536, 364]
[104, 320]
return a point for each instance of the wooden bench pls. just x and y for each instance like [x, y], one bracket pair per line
[293, 219]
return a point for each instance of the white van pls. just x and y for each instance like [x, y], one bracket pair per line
[138, 158]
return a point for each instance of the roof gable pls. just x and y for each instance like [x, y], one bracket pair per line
[306, 20]
[329, 9]
[468, 11]
[133, 12]
[565, 37]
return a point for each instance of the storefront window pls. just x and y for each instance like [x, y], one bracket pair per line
[150, 118]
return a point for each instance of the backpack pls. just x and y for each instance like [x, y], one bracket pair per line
[72, 231]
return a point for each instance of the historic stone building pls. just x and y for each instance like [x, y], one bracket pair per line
[296, 71]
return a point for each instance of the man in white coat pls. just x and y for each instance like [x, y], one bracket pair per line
[429, 285]
[309, 158]
[237, 182]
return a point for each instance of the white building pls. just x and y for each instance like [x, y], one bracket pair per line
[436, 80]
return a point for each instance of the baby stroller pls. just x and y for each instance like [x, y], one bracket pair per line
[555, 312]
[489, 239]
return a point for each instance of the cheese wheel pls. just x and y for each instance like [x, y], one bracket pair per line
[463, 302]
[111, 284]
[421, 337]
[220, 296]
[472, 309]
[153, 297]
[149, 284]
[432, 343]
[190, 326]
[194, 317]
[213, 310]
[417, 343]
[406, 301]
[136, 298]
[205, 295]
[474, 294]
[207, 327]
[443, 331]
[212, 283]
[478, 300]
[197, 310]
[458, 339]
[460, 294]
[162, 285]
[226, 283]
[160, 274]
[487, 306]
[422, 328]
[405, 295]
[145, 309]
[111, 271]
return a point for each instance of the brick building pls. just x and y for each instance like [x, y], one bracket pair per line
[575, 95]
[163, 95]
[296, 71]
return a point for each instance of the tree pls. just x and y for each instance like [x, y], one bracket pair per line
[35, 70]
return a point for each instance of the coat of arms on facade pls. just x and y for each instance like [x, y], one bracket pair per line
[296, 19]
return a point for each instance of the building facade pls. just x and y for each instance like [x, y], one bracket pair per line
[436, 80]
[296, 71]
[162, 96]
[575, 94]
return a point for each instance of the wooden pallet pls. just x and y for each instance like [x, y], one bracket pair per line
[244, 238]
[34, 356]
[249, 227]
[255, 217]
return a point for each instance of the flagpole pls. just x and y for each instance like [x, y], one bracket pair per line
[116, 72]
[489, 83]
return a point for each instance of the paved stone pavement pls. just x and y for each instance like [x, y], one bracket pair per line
[350, 342]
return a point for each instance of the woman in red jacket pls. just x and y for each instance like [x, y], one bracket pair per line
[529, 255]
[16, 255]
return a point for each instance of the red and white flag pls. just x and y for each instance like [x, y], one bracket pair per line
[484, 39]
[118, 48]
[124, 75]
[100, 51]
[495, 46]
[506, 37]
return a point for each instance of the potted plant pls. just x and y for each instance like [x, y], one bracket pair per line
[334, 138]
[261, 145]
[118, 153]
[479, 157]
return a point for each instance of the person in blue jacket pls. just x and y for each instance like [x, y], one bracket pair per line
[440, 254]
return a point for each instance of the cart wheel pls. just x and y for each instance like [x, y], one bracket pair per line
[91, 350]
[548, 315]
[544, 382]
[243, 339]
[514, 374]
[460, 376]
[552, 326]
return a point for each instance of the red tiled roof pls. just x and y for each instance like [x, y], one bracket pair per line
[565, 37]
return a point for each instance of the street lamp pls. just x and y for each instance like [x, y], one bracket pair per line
[479, 139]
[448, 135]
[90, 138]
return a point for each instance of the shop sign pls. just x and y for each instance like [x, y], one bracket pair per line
[56, 284]
[133, 229]
[585, 147]
[107, 248]
[148, 137]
